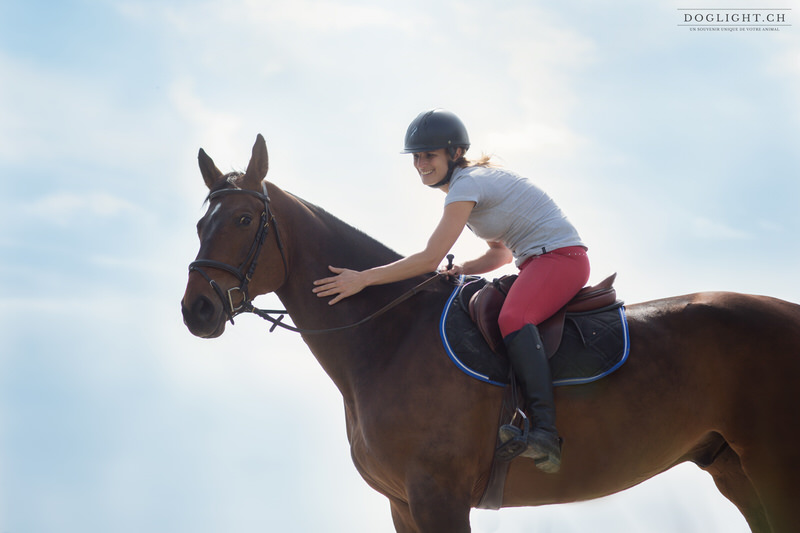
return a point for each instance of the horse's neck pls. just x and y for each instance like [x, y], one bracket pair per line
[317, 240]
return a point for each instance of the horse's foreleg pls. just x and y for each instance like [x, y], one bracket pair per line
[432, 508]
[401, 516]
[733, 483]
[428, 518]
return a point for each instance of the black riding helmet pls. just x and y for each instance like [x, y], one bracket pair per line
[435, 129]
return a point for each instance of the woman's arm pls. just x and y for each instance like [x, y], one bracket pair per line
[496, 256]
[349, 282]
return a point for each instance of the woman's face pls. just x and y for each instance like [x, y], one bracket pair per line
[432, 166]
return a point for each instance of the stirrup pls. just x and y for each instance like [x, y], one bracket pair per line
[513, 440]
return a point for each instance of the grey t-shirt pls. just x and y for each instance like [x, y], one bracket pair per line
[512, 210]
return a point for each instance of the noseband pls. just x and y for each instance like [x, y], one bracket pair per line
[244, 272]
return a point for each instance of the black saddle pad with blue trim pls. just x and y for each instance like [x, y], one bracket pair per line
[593, 345]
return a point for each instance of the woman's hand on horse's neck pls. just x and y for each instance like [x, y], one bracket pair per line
[349, 282]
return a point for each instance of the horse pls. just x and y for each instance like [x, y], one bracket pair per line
[712, 378]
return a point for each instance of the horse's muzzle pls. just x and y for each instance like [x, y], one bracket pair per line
[203, 316]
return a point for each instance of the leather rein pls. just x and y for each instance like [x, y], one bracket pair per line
[244, 273]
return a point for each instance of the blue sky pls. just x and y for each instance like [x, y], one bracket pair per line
[674, 152]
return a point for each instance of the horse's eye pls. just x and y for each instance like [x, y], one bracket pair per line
[245, 220]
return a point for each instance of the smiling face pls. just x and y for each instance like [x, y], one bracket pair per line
[432, 166]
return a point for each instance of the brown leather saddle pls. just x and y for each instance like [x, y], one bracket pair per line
[485, 304]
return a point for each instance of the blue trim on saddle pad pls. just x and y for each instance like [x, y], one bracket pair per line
[470, 353]
[626, 348]
[447, 348]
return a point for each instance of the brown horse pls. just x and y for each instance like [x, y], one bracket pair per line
[712, 378]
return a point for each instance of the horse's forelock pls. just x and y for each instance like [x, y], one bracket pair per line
[228, 181]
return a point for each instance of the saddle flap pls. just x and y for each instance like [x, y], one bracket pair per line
[485, 305]
[484, 309]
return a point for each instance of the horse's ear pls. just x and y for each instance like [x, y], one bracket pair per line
[211, 174]
[259, 164]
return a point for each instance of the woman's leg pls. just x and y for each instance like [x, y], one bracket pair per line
[544, 285]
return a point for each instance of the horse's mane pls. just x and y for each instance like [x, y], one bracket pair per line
[370, 251]
[361, 240]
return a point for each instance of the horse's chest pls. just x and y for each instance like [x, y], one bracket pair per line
[379, 472]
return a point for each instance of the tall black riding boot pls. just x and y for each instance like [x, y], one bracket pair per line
[532, 369]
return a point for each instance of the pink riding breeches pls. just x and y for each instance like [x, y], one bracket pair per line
[545, 284]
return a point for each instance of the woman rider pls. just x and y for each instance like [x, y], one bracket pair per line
[519, 222]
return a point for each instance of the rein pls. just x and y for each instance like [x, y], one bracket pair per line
[277, 322]
[244, 273]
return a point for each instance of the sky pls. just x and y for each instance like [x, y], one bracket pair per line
[674, 151]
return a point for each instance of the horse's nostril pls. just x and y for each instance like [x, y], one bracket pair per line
[201, 312]
[203, 309]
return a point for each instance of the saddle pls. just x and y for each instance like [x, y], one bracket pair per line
[485, 303]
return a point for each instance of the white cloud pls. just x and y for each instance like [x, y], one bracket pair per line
[65, 207]
[536, 138]
[310, 15]
[298, 15]
[706, 228]
[784, 66]
[57, 117]
[216, 128]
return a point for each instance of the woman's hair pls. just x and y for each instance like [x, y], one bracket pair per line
[483, 161]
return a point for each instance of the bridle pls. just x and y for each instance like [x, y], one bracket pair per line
[244, 272]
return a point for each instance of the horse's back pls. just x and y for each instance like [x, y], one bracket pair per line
[760, 329]
[737, 355]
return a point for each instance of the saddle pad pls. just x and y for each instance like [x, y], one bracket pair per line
[594, 345]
